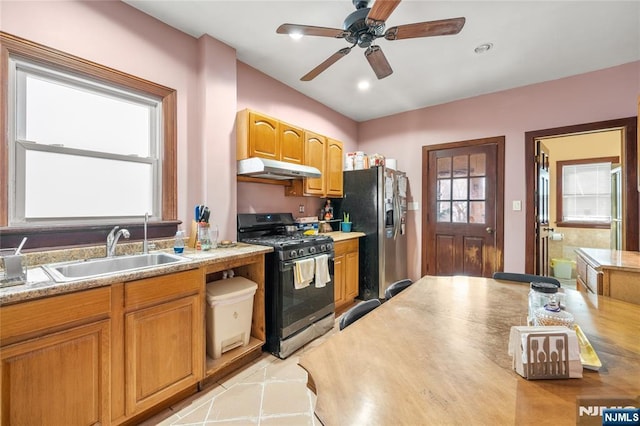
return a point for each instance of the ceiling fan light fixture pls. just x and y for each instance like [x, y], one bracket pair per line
[483, 48]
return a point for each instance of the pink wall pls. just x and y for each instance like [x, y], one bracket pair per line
[262, 93]
[596, 96]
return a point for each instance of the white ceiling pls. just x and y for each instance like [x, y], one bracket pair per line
[534, 41]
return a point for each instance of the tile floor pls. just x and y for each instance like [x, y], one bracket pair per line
[270, 391]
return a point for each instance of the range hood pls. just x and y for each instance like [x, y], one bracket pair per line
[272, 169]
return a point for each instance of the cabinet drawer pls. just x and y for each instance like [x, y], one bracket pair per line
[150, 291]
[32, 318]
[342, 247]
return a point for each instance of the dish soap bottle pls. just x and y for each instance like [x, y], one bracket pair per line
[178, 243]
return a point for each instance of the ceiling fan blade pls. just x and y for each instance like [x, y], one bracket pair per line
[381, 10]
[378, 62]
[426, 29]
[309, 30]
[326, 64]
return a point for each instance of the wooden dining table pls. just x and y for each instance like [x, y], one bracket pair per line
[437, 353]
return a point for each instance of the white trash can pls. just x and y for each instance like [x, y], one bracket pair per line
[229, 312]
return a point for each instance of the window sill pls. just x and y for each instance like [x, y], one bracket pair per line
[50, 237]
[592, 225]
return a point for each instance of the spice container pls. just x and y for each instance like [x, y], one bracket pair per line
[540, 294]
[551, 314]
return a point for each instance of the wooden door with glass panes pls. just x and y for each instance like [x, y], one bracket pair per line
[463, 203]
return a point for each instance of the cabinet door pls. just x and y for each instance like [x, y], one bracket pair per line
[264, 138]
[59, 379]
[351, 275]
[291, 144]
[163, 351]
[338, 279]
[333, 168]
[315, 157]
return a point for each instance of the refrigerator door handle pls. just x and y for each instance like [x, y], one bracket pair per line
[396, 213]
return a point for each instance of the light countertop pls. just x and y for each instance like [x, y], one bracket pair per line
[39, 284]
[612, 259]
[343, 236]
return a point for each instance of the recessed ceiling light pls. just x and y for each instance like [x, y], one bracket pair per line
[363, 85]
[295, 36]
[485, 47]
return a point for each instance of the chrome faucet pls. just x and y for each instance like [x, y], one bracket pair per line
[113, 237]
[145, 244]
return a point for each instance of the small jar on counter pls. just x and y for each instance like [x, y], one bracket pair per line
[551, 315]
[540, 295]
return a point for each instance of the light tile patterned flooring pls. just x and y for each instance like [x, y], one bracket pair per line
[270, 391]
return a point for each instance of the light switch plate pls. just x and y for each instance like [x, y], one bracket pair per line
[517, 205]
[414, 205]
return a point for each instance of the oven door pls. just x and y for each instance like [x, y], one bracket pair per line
[302, 307]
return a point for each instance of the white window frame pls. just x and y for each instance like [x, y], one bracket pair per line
[18, 147]
[582, 222]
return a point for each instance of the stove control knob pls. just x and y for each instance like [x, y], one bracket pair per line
[301, 252]
[312, 250]
[329, 246]
[323, 247]
[292, 253]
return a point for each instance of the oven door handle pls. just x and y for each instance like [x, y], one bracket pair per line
[287, 265]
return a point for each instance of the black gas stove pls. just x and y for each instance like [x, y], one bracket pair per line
[294, 315]
[278, 231]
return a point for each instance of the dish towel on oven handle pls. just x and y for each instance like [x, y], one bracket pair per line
[303, 271]
[322, 270]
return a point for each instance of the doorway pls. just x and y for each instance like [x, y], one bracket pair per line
[463, 214]
[534, 230]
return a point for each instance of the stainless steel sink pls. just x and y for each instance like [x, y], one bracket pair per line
[91, 268]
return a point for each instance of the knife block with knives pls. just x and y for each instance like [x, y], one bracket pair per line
[202, 214]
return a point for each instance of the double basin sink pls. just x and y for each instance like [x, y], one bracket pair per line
[93, 268]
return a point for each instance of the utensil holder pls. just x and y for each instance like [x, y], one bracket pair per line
[13, 268]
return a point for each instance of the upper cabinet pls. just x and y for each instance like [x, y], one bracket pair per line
[326, 155]
[262, 136]
[259, 135]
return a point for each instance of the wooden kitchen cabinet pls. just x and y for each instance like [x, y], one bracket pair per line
[587, 278]
[163, 338]
[326, 155]
[345, 273]
[55, 360]
[613, 273]
[259, 135]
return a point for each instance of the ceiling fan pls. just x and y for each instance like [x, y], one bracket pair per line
[364, 26]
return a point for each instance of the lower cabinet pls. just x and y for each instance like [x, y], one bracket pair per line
[163, 338]
[55, 359]
[345, 273]
[587, 278]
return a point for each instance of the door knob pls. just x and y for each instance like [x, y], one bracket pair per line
[489, 230]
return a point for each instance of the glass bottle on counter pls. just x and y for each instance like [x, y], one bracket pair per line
[540, 294]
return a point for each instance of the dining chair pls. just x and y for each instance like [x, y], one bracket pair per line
[396, 288]
[358, 311]
[525, 278]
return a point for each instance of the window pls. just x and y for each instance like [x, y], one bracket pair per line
[87, 147]
[80, 150]
[584, 192]
[461, 194]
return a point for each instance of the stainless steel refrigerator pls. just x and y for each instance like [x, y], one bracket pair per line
[376, 200]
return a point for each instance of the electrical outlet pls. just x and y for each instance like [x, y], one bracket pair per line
[301, 208]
